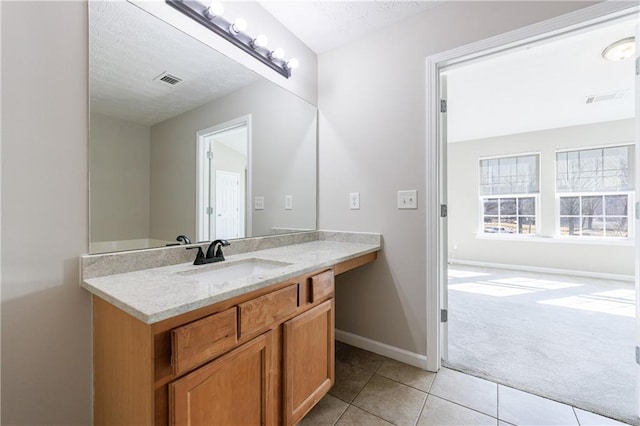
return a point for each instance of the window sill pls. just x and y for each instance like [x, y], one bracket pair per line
[558, 240]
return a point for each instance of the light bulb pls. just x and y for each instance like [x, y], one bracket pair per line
[293, 64]
[277, 53]
[260, 41]
[215, 9]
[238, 26]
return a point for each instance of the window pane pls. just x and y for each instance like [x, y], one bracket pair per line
[617, 227]
[616, 158]
[561, 162]
[491, 225]
[592, 206]
[569, 206]
[569, 226]
[507, 206]
[527, 225]
[616, 205]
[573, 163]
[589, 181]
[590, 160]
[593, 226]
[491, 206]
[528, 173]
[527, 206]
[508, 225]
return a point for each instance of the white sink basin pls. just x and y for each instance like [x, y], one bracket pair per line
[216, 273]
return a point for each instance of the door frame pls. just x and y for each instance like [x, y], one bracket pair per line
[201, 135]
[436, 250]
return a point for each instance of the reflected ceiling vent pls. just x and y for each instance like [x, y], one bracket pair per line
[609, 96]
[169, 79]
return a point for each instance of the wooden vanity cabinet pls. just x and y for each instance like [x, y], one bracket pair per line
[262, 358]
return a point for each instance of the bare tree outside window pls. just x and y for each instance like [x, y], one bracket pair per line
[594, 188]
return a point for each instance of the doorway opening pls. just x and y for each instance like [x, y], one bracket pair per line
[539, 239]
[223, 180]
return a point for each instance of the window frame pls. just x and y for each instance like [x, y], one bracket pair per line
[536, 215]
[630, 222]
[630, 193]
[534, 195]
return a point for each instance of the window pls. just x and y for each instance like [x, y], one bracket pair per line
[594, 189]
[509, 194]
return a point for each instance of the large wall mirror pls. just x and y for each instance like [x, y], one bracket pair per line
[184, 140]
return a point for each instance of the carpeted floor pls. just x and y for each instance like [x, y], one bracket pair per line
[566, 338]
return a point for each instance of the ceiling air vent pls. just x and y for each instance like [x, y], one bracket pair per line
[609, 96]
[167, 78]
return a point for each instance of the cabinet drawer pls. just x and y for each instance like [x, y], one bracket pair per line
[201, 340]
[265, 310]
[322, 285]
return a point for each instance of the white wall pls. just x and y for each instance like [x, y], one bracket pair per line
[119, 181]
[372, 99]
[464, 208]
[46, 317]
[283, 152]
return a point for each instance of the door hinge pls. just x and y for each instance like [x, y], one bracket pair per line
[638, 210]
[443, 210]
[638, 66]
[444, 315]
[443, 105]
[210, 155]
[209, 210]
[637, 355]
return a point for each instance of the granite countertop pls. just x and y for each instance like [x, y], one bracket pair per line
[155, 294]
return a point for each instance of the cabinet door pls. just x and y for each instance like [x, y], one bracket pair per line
[235, 389]
[308, 360]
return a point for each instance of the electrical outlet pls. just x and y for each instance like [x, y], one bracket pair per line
[288, 202]
[408, 199]
[258, 203]
[354, 201]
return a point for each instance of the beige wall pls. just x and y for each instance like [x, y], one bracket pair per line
[372, 140]
[46, 317]
[283, 161]
[119, 181]
[463, 182]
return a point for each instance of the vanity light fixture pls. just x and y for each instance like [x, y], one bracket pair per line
[620, 50]
[238, 26]
[211, 17]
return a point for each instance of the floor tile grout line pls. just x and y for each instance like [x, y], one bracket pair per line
[424, 404]
[341, 414]
[405, 384]
[575, 413]
[463, 406]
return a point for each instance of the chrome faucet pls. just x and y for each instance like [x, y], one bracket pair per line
[214, 252]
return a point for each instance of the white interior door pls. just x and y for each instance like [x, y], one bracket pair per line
[444, 251]
[637, 216]
[227, 204]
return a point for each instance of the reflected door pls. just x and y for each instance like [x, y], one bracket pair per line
[227, 204]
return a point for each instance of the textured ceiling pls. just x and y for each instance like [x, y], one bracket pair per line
[128, 48]
[544, 86]
[326, 24]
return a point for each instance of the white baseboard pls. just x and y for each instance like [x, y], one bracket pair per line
[383, 349]
[601, 275]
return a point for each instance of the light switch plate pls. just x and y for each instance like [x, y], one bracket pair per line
[354, 201]
[258, 203]
[288, 202]
[408, 199]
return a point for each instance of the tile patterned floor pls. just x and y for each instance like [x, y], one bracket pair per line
[373, 390]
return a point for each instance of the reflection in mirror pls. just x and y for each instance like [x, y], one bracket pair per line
[184, 140]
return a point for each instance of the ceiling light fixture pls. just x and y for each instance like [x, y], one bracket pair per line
[211, 17]
[620, 50]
